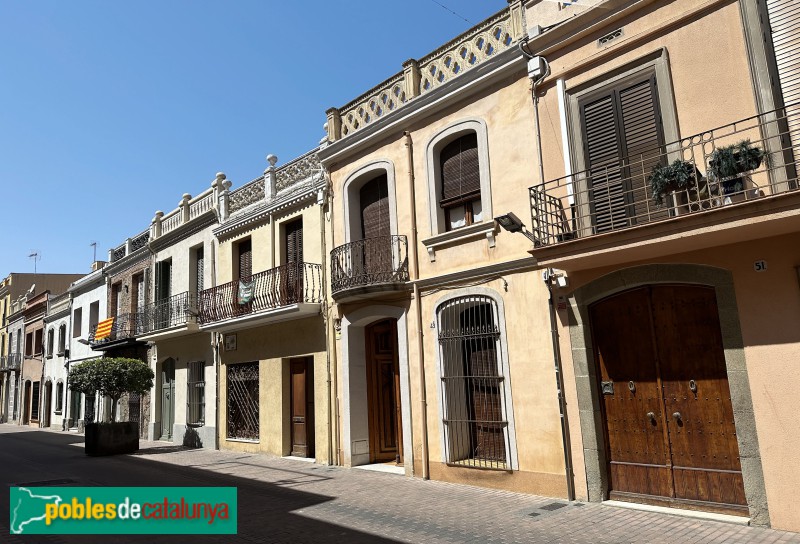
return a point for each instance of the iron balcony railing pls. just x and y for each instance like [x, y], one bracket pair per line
[374, 261]
[170, 312]
[621, 195]
[125, 327]
[291, 283]
[11, 362]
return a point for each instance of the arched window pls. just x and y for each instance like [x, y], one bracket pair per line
[473, 394]
[461, 182]
[59, 396]
[62, 338]
[50, 340]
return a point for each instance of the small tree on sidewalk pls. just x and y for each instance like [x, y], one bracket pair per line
[112, 377]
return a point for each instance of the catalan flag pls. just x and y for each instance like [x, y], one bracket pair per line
[104, 329]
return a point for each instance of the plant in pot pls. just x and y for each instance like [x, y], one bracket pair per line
[667, 179]
[729, 164]
[112, 377]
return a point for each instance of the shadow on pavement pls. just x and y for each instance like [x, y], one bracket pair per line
[267, 512]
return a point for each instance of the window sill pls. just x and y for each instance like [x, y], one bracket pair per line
[245, 440]
[472, 232]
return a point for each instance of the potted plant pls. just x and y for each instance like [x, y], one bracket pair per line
[729, 164]
[112, 377]
[677, 176]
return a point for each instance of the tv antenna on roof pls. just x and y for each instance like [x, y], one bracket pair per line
[36, 257]
[94, 250]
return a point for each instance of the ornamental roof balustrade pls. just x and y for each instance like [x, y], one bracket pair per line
[130, 246]
[299, 174]
[419, 77]
[190, 208]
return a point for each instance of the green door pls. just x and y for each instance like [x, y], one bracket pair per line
[167, 398]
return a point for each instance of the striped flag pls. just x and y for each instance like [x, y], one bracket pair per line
[104, 329]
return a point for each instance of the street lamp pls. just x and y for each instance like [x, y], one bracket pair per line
[512, 223]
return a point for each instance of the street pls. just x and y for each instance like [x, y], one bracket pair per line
[283, 500]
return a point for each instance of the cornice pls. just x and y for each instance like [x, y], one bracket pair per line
[506, 267]
[112, 269]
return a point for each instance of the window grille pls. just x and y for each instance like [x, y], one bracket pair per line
[35, 401]
[473, 392]
[134, 407]
[59, 396]
[243, 401]
[196, 394]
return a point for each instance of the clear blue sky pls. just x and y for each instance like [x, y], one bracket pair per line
[110, 111]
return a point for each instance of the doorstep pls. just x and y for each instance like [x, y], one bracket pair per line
[697, 514]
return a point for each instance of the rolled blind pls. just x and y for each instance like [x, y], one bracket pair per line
[461, 179]
[294, 241]
[374, 198]
[245, 260]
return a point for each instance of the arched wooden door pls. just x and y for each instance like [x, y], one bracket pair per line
[666, 403]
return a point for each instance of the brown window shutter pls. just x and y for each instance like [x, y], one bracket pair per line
[374, 198]
[293, 240]
[461, 179]
[245, 260]
[199, 270]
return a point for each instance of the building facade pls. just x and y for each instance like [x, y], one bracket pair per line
[56, 326]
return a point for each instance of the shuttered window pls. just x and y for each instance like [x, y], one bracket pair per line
[784, 22]
[245, 251]
[461, 182]
[293, 241]
[622, 136]
[199, 271]
[374, 201]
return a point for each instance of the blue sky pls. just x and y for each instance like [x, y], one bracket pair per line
[110, 111]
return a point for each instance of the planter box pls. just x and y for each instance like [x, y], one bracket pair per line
[112, 438]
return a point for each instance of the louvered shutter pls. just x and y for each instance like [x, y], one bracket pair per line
[622, 139]
[461, 179]
[784, 22]
[245, 260]
[294, 241]
[199, 271]
[374, 199]
[641, 126]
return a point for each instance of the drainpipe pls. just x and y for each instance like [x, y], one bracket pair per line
[326, 323]
[423, 401]
[538, 70]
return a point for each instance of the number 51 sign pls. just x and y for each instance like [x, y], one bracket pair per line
[760, 266]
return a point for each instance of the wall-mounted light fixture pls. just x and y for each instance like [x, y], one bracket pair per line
[512, 223]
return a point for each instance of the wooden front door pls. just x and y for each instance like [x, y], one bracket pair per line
[669, 425]
[302, 406]
[383, 393]
[167, 398]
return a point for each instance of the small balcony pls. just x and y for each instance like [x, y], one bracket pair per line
[169, 317]
[10, 362]
[285, 292]
[125, 328]
[363, 268]
[714, 186]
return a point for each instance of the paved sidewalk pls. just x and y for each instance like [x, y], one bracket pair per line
[282, 500]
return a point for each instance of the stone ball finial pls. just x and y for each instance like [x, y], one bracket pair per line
[186, 196]
[221, 175]
[272, 159]
[325, 126]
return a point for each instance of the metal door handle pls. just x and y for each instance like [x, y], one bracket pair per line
[652, 416]
[677, 416]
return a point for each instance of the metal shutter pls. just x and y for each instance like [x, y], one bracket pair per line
[784, 22]
[294, 241]
[374, 198]
[461, 179]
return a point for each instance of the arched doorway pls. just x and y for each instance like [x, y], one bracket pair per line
[47, 404]
[383, 392]
[664, 399]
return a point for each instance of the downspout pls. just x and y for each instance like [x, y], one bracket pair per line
[326, 322]
[535, 66]
[423, 401]
[215, 347]
[332, 352]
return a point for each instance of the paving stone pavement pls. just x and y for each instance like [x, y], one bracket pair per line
[283, 500]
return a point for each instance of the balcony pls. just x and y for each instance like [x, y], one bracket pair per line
[173, 316]
[10, 362]
[288, 291]
[125, 328]
[606, 209]
[364, 268]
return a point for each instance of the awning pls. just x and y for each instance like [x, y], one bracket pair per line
[104, 329]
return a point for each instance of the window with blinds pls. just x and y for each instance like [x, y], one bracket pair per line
[623, 141]
[473, 393]
[374, 202]
[199, 270]
[244, 251]
[461, 182]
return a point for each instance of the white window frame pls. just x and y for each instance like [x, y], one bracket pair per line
[352, 200]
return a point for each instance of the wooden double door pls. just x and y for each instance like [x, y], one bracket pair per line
[383, 393]
[666, 403]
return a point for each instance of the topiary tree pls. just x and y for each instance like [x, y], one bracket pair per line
[112, 377]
